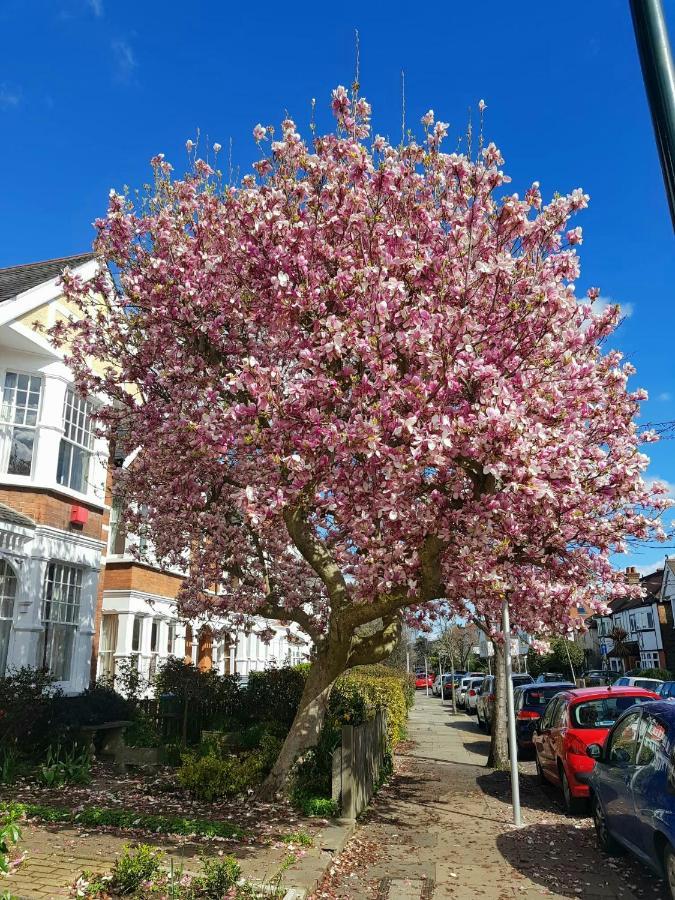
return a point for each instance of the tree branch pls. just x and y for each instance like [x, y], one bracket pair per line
[375, 647]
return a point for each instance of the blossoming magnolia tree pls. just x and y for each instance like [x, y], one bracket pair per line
[362, 384]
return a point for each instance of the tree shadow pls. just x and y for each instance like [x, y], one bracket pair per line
[566, 860]
[533, 794]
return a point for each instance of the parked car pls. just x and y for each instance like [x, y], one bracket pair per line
[472, 695]
[632, 787]
[436, 688]
[447, 684]
[530, 702]
[545, 677]
[596, 677]
[667, 690]
[486, 698]
[423, 680]
[464, 687]
[573, 720]
[648, 684]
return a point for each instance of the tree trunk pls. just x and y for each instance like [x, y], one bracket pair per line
[499, 742]
[307, 724]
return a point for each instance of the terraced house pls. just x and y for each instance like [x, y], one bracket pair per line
[74, 598]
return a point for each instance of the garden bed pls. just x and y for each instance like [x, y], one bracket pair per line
[155, 803]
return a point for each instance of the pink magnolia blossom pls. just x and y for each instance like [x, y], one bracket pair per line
[362, 387]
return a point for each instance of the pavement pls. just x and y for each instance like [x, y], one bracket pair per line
[442, 828]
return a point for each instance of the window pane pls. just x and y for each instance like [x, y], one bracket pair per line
[21, 452]
[625, 741]
[654, 739]
[7, 595]
[136, 635]
[57, 649]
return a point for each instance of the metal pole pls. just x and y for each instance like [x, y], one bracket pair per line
[426, 676]
[651, 35]
[440, 675]
[569, 660]
[407, 661]
[452, 683]
[511, 715]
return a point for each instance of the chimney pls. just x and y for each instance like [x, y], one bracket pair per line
[632, 575]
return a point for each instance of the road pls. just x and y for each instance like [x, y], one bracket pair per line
[442, 829]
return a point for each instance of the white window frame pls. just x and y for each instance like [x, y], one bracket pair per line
[8, 423]
[78, 437]
[9, 583]
[60, 618]
[108, 647]
[653, 662]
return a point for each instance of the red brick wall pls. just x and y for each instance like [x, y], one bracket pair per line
[131, 575]
[48, 507]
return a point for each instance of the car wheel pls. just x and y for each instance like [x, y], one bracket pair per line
[575, 806]
[669, 869]
[602, 832]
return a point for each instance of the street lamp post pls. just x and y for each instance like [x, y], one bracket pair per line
[656, 60]
[511, 715]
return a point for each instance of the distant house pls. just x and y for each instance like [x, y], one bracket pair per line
[649, 640]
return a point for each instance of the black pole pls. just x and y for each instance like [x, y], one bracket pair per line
[656, 60]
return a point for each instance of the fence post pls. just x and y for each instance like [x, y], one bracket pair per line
[348, 798]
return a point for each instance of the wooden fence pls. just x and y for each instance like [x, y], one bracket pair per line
[358, 763]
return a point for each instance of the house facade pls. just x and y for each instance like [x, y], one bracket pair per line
[140, 622]
[52, 486]
[645, 626]
[74, 599]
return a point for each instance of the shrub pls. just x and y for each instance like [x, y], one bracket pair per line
[662, 674]
[65, 767]
[133, 868]
[277, 689]
[212, 775]
[220, 876]
[10, 834]
[25, 696]
[142, 732]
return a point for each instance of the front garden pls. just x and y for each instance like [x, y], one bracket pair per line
[213, 743]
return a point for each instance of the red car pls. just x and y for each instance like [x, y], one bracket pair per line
[573, 720]
[423, 681]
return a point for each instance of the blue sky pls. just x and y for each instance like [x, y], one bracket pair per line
[91, 89]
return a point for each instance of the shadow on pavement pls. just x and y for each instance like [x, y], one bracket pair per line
[566, 860]
[533, 794]
[464, 725]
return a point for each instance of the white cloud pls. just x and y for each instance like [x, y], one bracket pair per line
[600, 305]
[125, 59]
[96, 7]
[9, 97]
[648, 568]
[665, 396]
[652, 479]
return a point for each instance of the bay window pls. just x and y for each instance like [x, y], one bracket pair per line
[19, 412]
[7, 595]
[106, 652]
[75, 450]
[60, 617]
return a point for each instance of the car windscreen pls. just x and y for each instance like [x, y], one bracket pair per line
[541, 696]
[604, 712]
[647, 684]
[521, 679]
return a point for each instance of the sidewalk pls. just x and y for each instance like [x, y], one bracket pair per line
[441, 829]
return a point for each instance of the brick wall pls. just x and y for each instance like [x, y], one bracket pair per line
[131, 575]
[48, 507]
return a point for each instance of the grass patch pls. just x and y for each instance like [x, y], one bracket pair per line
[322, 807]
[297, 837]
[93, 816]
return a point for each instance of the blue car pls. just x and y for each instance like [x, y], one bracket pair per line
[530, 701]
[633, 787]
